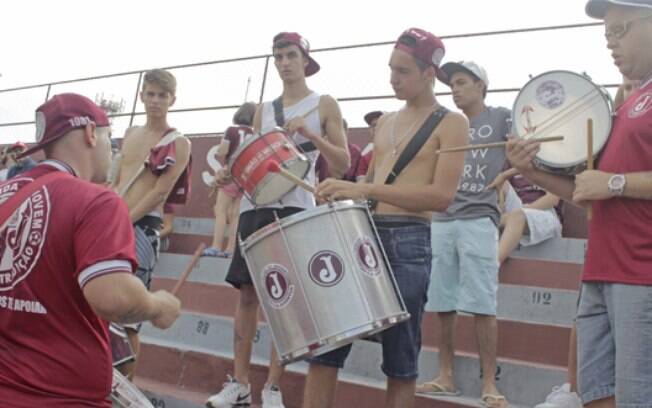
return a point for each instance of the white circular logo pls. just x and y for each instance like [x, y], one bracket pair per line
[40, 126]
[22, 236]
[437, 56]
[367, 257]
[643, 104]
[551, 94]
[279, 289]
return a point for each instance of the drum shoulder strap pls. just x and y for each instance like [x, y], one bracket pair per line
[413, 147]
[278, 111]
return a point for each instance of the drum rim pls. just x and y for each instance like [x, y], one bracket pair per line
[605, 96]
[268, 177]
[298, 217]
[251, 140]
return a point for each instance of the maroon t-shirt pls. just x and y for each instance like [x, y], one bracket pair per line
[54, 349]
[321, 166]
[620, 232]
[529, 193]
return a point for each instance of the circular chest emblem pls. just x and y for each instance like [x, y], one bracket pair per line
[22, 235]
[326, 268]
[551, 94]
[641, 106]
[367, 257]
[278, 287]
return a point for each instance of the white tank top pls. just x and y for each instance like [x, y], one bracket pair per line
[298, 197]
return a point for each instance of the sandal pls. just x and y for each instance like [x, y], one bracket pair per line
[494, 401]
[212, 252]
[436, 389]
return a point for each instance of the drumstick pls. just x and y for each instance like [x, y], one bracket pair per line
[589, 158]
[275, 168]
[191, 265]
[497, 144]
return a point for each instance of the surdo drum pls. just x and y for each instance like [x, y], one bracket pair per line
[249, 166]
[323, 279]
[558, 103]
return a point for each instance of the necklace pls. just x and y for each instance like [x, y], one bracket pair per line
[392, 135]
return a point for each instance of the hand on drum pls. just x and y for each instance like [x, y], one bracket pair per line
[521, 152]
[298, 125]
[591, 185]
[222, 178]
[332, 189]
[169, 308]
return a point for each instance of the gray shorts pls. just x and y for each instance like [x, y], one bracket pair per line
[614, 339]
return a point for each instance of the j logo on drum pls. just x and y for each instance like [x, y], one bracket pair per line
[278, 288]
[366, 255]
[326, 268]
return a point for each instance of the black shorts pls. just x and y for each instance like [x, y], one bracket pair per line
[250, 222]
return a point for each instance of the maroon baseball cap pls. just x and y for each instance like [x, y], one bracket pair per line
[17, 146]
[63, 113]
[296, 39]
[424, 46]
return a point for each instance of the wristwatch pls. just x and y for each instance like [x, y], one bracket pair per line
[617, 184]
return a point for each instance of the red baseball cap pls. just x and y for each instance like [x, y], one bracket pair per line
[424, 46]
[296, 39]
[63, 113]
[17, 146]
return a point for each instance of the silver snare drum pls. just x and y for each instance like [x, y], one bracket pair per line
[558, 103]
[322, 279]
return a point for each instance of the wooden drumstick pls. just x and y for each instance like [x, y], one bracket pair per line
[589, 158]
[191, 265]
[275, 168]
[496, 144]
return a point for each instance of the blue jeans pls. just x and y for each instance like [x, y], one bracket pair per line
[407, 244]
[614, 335]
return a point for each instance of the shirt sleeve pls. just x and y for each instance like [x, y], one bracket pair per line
[104, 239]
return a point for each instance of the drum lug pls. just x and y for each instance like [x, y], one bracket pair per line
[587, 76]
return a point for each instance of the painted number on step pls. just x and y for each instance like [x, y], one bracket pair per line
[202, 327]
[257, 336]
[157, 403]
[541, 298]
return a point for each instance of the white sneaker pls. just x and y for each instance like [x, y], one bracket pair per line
[233, 394]
[561, 397]
[272, 397]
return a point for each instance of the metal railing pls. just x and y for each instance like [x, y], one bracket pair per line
[134, 112]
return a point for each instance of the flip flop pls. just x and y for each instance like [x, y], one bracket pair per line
[436, 389]
[494, 401]
[212, 252]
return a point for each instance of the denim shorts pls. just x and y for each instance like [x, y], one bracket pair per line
[407, 245]
[465, 266]
[614, 336]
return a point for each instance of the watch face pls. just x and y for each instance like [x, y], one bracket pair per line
[617, 183]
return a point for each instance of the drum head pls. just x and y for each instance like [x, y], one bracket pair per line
[273, 186]
[559, 103]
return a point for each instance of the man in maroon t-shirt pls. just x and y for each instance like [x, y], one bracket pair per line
[66, 262]
[614, 321]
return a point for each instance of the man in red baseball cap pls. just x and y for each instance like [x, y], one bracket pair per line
[66, 262]
[18, 161]
[314, 123]
[405, 198]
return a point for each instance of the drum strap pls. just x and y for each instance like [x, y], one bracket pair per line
[306, 147]
[9, 206]
[413, 147]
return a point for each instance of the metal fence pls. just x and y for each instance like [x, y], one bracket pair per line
[357, 75]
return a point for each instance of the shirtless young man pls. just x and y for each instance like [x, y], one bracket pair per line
[428, 183]
[154, 161]
[309, 117]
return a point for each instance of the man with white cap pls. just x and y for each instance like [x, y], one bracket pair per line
[465, 237]
[614, 320]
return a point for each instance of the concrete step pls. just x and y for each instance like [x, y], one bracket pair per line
[523, 382]
[201, 374]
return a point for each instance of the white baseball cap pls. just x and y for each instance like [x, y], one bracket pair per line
[469, 67]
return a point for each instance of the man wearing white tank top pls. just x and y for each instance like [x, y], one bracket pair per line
[308, 117]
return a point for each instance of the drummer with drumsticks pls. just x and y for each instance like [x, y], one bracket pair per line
[406, 183]
[67, 254]
[614, 320]
[314, 123]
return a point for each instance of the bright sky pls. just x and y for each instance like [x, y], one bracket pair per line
[44, 41]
